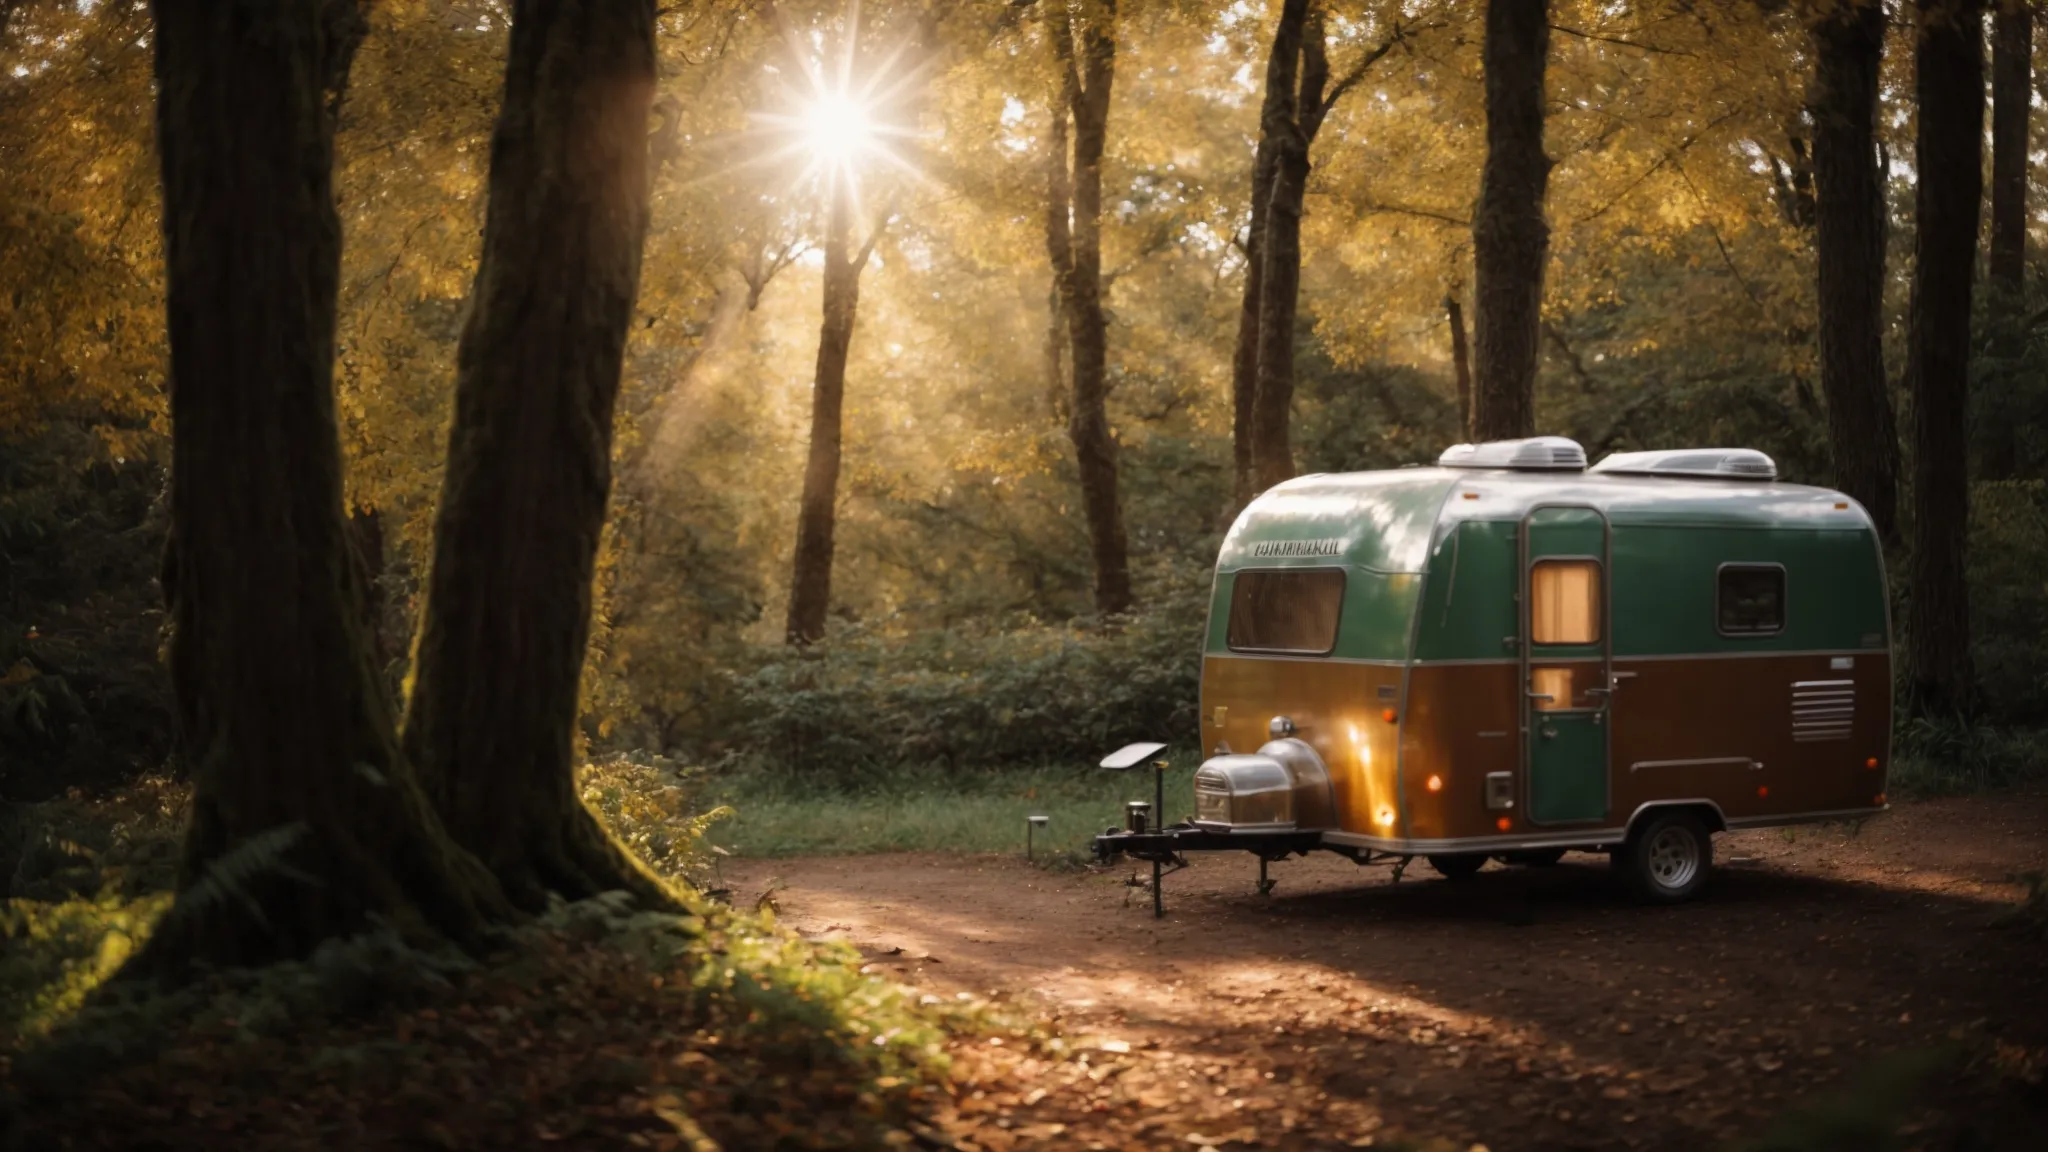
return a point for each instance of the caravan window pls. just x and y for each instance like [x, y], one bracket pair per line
[1750, 599]
[1286, 610]
[1564, 602]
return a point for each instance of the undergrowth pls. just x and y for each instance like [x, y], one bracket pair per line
[598, 1025]
[1001, 694]
[1963, 756]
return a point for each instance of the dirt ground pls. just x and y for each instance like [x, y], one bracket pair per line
[1524, 1008]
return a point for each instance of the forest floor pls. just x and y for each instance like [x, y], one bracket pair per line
[1520, 1009]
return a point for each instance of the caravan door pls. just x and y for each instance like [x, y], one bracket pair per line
[1566, 664]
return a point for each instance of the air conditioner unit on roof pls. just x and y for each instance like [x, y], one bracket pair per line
[1537, 454]
[1700, 463]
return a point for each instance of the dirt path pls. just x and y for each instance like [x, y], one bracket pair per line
[1522, 1009]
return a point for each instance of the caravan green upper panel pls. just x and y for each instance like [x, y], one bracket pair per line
[1460, 527]
[1380, 521]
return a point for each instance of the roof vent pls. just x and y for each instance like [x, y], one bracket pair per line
[1700, 463]
[1537, 454]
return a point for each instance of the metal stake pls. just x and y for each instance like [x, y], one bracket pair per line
[1158, 822]
[1031, 825]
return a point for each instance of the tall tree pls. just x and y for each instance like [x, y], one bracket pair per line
[492, 725]
[1848, 47]
[1948, 147]
[810, 589]
[1288, 127]
[1510, 239]
[1461, 359]
[1297, 100]
[307, 821]
[1283, 66]
[2012, 94]
[1085, 74]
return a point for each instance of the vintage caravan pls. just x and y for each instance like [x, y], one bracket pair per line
[1511, 655]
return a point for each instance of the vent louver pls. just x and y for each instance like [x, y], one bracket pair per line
[1703, 463]
[1537, 454]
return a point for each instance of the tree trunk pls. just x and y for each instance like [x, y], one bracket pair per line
[810, 589]
[1087, 97]
[2012, 90]
[1059, 242]
[1948, 154]
[307, 822]
[1848, 46]
[1510, 240]
[1283, 66]
[1296, 119]
[493, 720]
[1461, 362]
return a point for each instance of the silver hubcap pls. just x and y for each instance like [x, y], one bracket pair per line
[1674, 857]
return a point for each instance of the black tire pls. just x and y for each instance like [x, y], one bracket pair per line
[1534, 857]
[1457, 867]
[1668, 858]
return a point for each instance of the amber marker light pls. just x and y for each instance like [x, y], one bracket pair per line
[1503, 823]
[1870, 763]
[1470, 495]
[1436, 783]
[1388, 715]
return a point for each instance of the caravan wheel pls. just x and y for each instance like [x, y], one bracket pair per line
[1667, 858]
[1457, 867]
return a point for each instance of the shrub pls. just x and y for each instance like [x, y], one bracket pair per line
[985, 695]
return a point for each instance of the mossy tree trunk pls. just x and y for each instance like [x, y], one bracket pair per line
[492, 721]
[1085, 87]
[307, 822]
[1510, 238]
[1863, 437]
[1948, 153]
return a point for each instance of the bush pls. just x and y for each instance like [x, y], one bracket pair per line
[865, 700]
[1960, 756]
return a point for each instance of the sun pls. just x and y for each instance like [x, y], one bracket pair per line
[839, 130]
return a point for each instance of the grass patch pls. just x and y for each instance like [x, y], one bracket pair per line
[910, 810]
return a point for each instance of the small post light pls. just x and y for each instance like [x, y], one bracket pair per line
[1031, 825]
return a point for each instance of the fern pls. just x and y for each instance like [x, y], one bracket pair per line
[230, 875]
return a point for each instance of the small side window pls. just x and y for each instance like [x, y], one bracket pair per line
[1564, 602]
[1750, 599]
[1286, 610]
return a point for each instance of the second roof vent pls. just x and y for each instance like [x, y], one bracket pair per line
[1538, 454]
[1702, 463]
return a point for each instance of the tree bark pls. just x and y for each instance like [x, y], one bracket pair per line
[1086, 88]
[1283, 66]
[1948, 154]
[2012, 91]
[307, 821]
[1296, 121]
[1848, 46]
[1059, 241]
[810, 590]
[492, 725]
[1510, 239]
[1461, 362]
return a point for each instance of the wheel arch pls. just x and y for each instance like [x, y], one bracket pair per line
[1707, 810]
